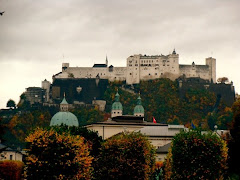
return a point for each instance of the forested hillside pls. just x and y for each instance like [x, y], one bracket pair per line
[160, 98]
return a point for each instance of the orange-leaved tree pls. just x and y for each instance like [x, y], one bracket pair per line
[57, 156]
[11, 169]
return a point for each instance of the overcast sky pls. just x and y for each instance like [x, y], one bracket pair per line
[35, 35]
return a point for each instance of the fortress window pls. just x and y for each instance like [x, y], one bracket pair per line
[130, 73]
[136, 64]
[155, 73]
[163, 64]
[149, 74]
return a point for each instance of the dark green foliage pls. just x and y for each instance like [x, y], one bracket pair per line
[161, 99]
[88, 115]
[126, 156]
[18, 124]
[198, 156]
[91, 137]
[11, 104]
[127, 99]
[234, 143]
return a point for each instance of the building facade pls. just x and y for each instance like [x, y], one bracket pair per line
[143, 67]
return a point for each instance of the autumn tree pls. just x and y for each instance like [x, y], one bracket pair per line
[57, 156]
[90, 137]
[222, 80]
[126, 156]
[11, 104]
[194, 155]
[10, 170]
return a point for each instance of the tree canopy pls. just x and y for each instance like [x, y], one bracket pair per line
[11, 104]
[126, 155]
[57, 156]
[194, 155]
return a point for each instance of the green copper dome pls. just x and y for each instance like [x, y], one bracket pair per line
[138, 108]
[65, 118]
[117, 105]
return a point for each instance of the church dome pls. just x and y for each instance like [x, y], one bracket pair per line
[117, 105]
[138, 108]
[64, 118]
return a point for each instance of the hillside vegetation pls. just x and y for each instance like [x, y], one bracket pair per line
[161, 99]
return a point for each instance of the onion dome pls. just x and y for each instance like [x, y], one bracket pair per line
[138, 110]
[117, 105]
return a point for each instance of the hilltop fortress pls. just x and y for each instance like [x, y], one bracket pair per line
[143, 67]
[87, 85]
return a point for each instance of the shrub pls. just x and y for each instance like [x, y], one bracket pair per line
[11, 170]
[57, 156]
[194, 155]
[126, 156]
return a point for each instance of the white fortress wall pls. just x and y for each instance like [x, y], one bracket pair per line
[201, 71]
[117, 74]
[143, 67]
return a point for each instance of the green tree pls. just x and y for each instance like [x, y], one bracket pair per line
[11, 104]
[194, 155]
[57, 156]
[126, 156]
[234, 144]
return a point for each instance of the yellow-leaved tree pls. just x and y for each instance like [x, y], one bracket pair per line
[57, 156]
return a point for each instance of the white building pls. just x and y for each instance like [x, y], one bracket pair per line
[9, 154]
[143, 67]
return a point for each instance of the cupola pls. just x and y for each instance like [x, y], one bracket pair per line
[117, 107]
[139, 110]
